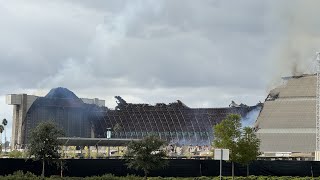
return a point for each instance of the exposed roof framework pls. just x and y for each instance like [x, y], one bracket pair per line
[175, 122]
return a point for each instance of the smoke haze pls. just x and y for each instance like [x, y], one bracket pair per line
[297, 38]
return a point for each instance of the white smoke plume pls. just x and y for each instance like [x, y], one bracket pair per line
[251, 117]
[296, 34]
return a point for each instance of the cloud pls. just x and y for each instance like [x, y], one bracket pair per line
[146, 51]
[205, 53]
[174, 48]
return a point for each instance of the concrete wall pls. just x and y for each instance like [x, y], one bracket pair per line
[21, 104]
[95, 101]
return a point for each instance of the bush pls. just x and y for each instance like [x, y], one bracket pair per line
[15, 154]
[20, 175]
[104, 177]
[203, 178]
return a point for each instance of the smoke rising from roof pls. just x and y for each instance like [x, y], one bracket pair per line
[298, 37]
[250, 119]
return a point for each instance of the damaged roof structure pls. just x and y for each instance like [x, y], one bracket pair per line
[90, 118]
[287, 121]
[174, 122]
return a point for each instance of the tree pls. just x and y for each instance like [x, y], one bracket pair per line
[1, 131]
[248, 147]
[44, 144]
[146, 154]
[4, 123]
[242, 143]
[226, 135]
[86, 152]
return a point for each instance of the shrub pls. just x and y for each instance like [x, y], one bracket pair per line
[15, 154]
[20, 175]
[104, 177]
[203, 178]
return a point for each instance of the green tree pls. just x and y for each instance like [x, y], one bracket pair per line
[1, 131]
[4, 123]
[248, 147]
[86, 152]
[226, 135]
[242, 143]
[147, 154]
[1, 128]
[44, 144]
[72, 152]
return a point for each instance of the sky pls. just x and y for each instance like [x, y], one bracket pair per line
[205, 53]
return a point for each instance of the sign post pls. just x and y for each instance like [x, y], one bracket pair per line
[221, 154]
[108, 137]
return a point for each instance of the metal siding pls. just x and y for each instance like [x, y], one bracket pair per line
[287, 123]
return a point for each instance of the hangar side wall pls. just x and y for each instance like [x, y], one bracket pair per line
[287, 122]
[287, 142]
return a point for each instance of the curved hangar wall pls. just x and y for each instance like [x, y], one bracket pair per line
[287, 122]
[60, 105]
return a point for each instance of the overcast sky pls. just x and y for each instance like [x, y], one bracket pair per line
[205, 53]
